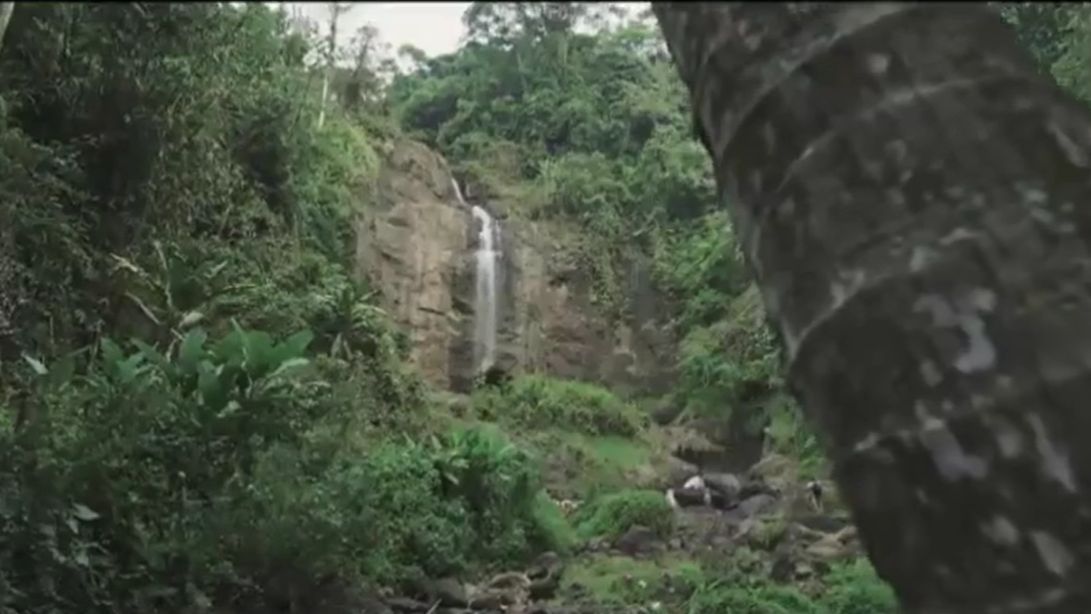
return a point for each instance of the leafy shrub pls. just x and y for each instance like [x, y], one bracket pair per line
[851, 588]
[161, 479]
[552, 531]
[791, 435]
[612, 515]
[854, 588]
[120, 463]
[759, 599]
[613, 581]
[541, 402]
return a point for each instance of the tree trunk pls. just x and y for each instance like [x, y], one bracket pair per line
[336, 8]
[6, 9]
[912, 198]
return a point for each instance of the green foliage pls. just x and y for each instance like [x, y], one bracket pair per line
[590, 131]
[790, 435]
[759, 599]
[539, 402]
[156, 479]
[1045, 29]
[618, 580]
[612, 515]
[851, 588]
[136, 132]
[141, 446]
[854, 588]
[731, 363]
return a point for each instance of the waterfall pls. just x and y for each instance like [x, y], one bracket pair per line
[485, 298]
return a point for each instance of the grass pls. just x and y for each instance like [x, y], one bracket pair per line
[619, 580]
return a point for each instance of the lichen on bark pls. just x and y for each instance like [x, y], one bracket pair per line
[908, 191]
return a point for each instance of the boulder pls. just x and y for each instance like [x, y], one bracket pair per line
[676, 472]
[502, 591]
[727, 484]
[665, 412]
[547, 564]
[448, 591]
[638, 540]
[755, 505]
[405, 605]
[690, 497]
[824, 524]
[371, 605]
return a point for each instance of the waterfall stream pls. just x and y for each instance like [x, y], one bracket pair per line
[487, 257]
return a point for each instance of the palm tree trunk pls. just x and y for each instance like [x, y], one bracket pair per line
[6, 9]
[913, 199]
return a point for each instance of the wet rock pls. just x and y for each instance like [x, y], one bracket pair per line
[597, 544]
[638, 540]
[676, 473]
[727, 484]
[754, 488]
[824, 524]
[547, 564]
[449, 592]
[828, 549]
[783, 567]
[544, 588]
[665, 412]
[721, 501]
[373, 605]
[406, 605]
[756, 505]
[503, 590]
[545, 576]
[689, 497]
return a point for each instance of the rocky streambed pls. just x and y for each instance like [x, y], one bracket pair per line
[771, 516]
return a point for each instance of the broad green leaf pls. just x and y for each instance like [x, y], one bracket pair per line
[295, 345]
[111, 353]
[84, 513]
[190, 319]
[152, 355]
[288, 366]
[35, 364]
[191, 349]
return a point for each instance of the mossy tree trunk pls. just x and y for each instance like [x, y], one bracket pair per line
[913, 200]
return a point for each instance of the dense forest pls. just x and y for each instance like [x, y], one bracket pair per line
[203, 408]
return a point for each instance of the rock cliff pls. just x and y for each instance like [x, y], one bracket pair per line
[415, 245]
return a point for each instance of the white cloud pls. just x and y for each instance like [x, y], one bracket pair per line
[434, 27]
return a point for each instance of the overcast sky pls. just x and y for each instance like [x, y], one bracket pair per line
[434, 27]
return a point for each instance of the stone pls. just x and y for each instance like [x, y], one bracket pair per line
[676, 472]
[666, 412]
[756, 505]
[406, 605]
[727, 484]
[449, 591]
[545, 587]
[638, 540]
[370, 605]
[824, 524]
[414, 244]
[828, 549]
[501, 591]
[689, 497]
[546, 564]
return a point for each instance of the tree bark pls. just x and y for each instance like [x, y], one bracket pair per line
[336, 9]
[6, 9]
[912, 198]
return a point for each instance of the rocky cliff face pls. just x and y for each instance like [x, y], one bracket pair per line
[416, 247]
